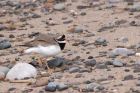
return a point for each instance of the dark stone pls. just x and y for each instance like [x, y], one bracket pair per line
[57, 62]
[51, 87]
[90, 63]
[4, 43]
[129, 77]
[117, 63]
[101, 66]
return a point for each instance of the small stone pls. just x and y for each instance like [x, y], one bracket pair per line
[59, 7]
[123, 52]
[101, 66]
[138, 83]
[82, 70]
[76, 29]
[123, 39]
[78, 75]
[67, 21]
[2, 76]
[11, 36]
[62, 86]
[35, 15]
[135, 7]
[117, 63]
[11, 89]
[92, 87]
[4, 43]
[2, 27]
[83, 13]
[114, 1]
[56, 62]
[129, 77]
[51, 87]
[57, 75]
[136, 67]
[100, 41]
[90, 57]
[91, 63]
[74, 69]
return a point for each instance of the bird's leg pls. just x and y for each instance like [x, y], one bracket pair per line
[50, 71]
[40, 62]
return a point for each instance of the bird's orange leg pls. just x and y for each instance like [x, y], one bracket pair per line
[50, 71]
[41, 61]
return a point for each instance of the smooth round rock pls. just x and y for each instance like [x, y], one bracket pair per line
[21, 71]
[4, 43]
[4, 69]
[117, 63]
[59, 7]
[51, 87]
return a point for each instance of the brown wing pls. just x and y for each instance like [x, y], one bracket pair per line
[42, 39]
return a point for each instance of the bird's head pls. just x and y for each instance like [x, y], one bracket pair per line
[61, 41]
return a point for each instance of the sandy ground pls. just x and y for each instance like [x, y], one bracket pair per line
[95, 18]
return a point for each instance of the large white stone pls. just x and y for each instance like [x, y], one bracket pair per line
[21, 71]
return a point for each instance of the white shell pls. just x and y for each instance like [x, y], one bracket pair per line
[21, 71]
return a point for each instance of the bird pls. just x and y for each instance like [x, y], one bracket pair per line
[46, 45]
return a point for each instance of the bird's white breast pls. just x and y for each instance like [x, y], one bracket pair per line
[49, 50]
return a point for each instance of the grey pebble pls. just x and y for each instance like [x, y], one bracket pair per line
[4, 43]
[59, 7]
[90, 63]
[117, 63]
[74, 69]
[101, 66]
[129, 77]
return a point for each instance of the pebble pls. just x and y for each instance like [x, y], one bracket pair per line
[74, 69]
[56, 62]
[62, 86]
[2, 76]
[100, 41]
[122, 52]
[123, 39]
[68, 21]
[138, 83]
[4, 43]
[59, 7]
[136, 67]
[101, 66]
[11, 89]
[77, 29]
[92, 87]
[2, 27]
[51, 87]
[114, 1]
[136, 7]
[91, 63]
[129, 77]
[57, 75]
[11, 36]
[117, 63]
[21, 71]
